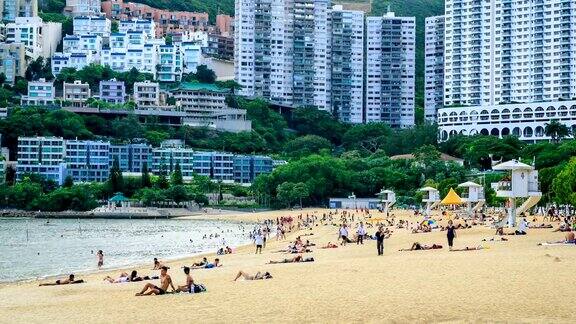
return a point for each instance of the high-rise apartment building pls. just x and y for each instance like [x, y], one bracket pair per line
[509, 67]
[390, 70]
[433, 67]
[347, 64]
[306, 53]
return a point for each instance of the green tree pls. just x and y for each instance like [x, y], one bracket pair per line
[556, 131]
[178, 193]
[115, 179]
[204, 74]
[162, 181]
[10, 177]
[2, 78]
[307, 145]
[176, 177]
[286, 193]
[312, 121]
[146, 182]
[68, 182]
[564, 184]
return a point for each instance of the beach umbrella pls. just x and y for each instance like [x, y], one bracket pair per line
[451, 198]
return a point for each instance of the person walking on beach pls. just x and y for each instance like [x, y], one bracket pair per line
[451, 234]
[380, 240]
[100, 256]
[361, 231]
[259, 241]
[343, 233]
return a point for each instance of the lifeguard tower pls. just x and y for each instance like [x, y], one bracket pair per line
[473, 197]
[387, 199]
[521, 181]
[431, 198]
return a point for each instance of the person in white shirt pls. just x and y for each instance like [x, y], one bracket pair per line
[361, 231]
[522, 227]
[259, 241]
[344, 234]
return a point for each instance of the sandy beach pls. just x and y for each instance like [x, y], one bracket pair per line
[513, 281]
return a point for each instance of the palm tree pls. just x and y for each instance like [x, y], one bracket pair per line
[556, 131]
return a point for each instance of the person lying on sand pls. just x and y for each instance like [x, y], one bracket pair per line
[258, 276]
[417, 246]
[69, 281]
[295, 259]
[187, 287]
[209, 265]
[165, 282]
[492, 239]
[569, 238]
[133, 277]
[330, 245]
[541, 226]
[201, 263]
[562, 228]
[473, 248]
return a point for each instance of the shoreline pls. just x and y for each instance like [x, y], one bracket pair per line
[125, 267]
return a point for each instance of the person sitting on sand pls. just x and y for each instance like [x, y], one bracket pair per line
[157, 264]
[258, 276]
[330, 245]
[209, 265]
[417, 246]
[165, 282]
[295, 259]
[69, 281]
[189, 282]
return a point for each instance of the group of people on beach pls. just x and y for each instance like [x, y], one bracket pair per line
[347, 218]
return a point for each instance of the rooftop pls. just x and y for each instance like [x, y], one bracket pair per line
[200, 86]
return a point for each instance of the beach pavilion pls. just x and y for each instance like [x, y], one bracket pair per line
[119, 199]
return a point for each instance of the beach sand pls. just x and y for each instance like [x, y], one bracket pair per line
[514, 281]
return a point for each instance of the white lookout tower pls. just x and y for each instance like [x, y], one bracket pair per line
[431, 198]
[520, 182]
[387, 199]
[473, 195]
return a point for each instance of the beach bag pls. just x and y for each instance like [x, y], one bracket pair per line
[198, 288]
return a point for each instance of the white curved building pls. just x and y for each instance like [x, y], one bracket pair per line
[525, 120]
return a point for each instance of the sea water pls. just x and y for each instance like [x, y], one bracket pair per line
[38, 248]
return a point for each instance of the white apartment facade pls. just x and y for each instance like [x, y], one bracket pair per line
[500, 53]
[148, 26]
[27, 31]
[95, 25]
[433, 67]
[75, 94]
[147, 94]
[40, 93]
[83, 7]
[71, 60]
[390, 70]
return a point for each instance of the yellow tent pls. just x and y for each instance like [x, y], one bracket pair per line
[451, 198]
